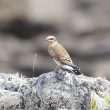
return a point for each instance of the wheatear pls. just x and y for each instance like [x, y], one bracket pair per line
[60, 55]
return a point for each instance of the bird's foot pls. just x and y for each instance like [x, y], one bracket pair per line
[56, 69]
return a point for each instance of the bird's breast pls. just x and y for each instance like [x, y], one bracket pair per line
[51, 52]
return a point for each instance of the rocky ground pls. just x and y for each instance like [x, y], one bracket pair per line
[54, 91]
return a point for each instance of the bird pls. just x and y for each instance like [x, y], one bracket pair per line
[60, 55]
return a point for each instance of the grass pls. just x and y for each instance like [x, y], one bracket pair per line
[35, 56]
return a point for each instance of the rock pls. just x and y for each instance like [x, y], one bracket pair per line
[54, 91]
[9, 100]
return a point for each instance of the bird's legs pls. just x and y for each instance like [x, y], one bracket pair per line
[56, 68]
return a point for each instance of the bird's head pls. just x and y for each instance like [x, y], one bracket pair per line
[51, 39]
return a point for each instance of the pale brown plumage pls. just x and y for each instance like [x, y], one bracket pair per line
[59, 54]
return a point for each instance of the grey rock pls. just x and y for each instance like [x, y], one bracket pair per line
[53, 91]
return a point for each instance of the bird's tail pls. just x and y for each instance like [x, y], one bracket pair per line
[73, 69]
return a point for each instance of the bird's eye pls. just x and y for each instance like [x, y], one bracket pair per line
[51, 39]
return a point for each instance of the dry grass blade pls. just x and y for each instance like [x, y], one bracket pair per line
[34, 62]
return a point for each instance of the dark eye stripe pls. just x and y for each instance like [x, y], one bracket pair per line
[51, 39]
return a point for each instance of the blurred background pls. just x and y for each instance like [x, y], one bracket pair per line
[81, 26]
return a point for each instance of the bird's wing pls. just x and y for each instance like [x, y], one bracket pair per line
[61, 54]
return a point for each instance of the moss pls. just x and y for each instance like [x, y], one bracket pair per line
[93, 103]
[107, 99]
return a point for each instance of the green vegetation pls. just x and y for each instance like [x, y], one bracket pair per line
[107, 99]
[93, 103]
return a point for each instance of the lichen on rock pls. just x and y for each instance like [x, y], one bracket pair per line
[54, 91]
